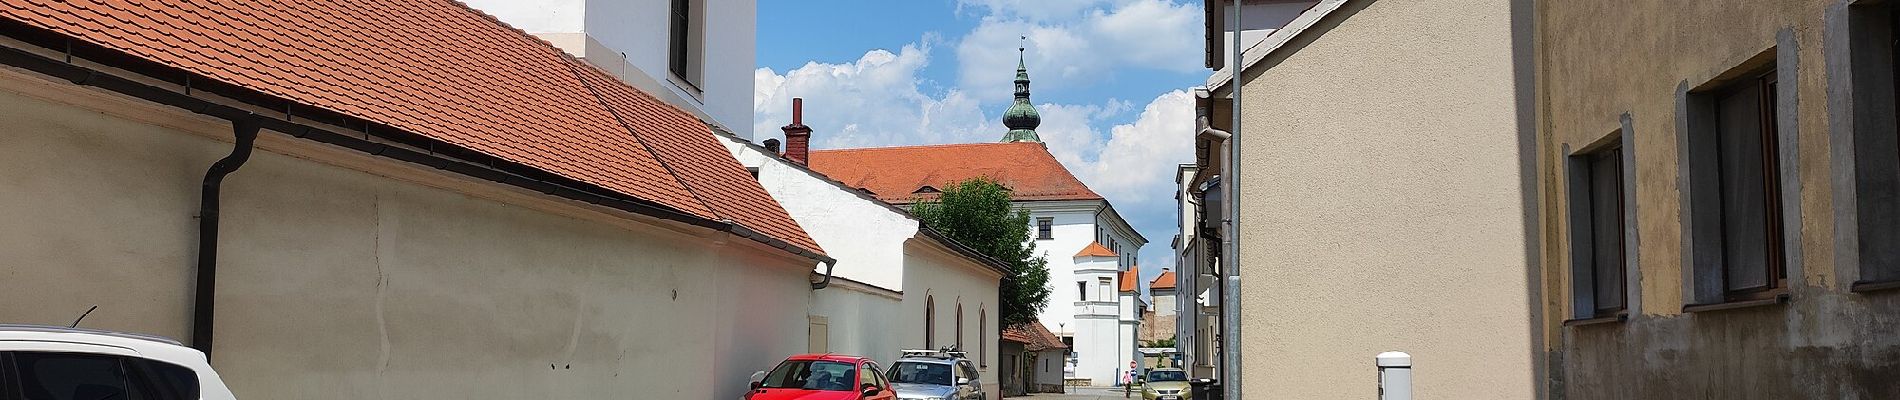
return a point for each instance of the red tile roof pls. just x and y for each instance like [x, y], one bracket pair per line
[441, 70]
[1095, 249]
[1034, 337]
[897, 174]
[1165, 281]
[1131, 279]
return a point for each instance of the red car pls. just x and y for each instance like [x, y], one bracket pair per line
[824, 377]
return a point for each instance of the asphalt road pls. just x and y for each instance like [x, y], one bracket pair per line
[1082, 393]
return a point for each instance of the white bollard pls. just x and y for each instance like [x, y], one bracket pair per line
[1395, 375]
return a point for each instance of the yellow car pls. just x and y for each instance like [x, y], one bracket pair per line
[1166, 384]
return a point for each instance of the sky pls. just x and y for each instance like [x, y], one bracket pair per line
[1110, 78]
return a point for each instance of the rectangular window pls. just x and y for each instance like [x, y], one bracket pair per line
[1081, 291]
[1108, 289]
[1750, 193]
[683, 42]
[1045, 228]
[1599, 256]
[1872, 129]
[1732, 204]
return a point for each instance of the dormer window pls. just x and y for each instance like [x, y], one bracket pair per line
[926, 189]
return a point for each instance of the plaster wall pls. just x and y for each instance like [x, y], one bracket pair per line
[1604, 64]
[629, 38]
[1074, 229]
[865, 236]
[345, 275]
[1382, 206]
[936, 273]
[859, 319]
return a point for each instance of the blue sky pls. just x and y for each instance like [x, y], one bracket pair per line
[1109, 77]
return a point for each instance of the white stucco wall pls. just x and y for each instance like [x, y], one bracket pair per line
[859, 319]
[893, 270]
[1094, 324]
[630, 39]
[950, 279]
[350, 276]
[865, 236]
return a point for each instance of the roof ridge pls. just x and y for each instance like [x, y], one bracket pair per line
[917, 146]
[598, 99]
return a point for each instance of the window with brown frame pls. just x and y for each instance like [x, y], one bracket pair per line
[930, 322]
[959, 326]
[1751, 229]
[1597, 233]
[1045, 228]
[983, 335]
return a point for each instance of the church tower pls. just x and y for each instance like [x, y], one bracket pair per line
[1021, 118]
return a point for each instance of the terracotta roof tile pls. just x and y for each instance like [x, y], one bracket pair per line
[1095, 249]
[441, 70]
[1165, 281]
[1034, 337]
[895, 174]
[1131, 279]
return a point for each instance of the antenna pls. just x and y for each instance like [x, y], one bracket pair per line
[82, 317]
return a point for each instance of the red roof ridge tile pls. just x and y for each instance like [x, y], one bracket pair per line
[926, 146]
[1095, 249]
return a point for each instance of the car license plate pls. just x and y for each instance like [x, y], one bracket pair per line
[1170, 397]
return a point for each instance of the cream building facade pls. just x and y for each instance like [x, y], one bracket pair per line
[353, 263]
[1384, 203]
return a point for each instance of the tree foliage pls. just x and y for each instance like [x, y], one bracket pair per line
[978, 214]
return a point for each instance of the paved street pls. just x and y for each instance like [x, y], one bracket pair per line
[1081, 393]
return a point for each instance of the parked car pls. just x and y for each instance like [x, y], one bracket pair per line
[936, 375]
[823, 377]
[1166, 384]
[49, 362]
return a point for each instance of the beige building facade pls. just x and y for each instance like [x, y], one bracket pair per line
[1719, 183]
[1383, 203]
[350, 276]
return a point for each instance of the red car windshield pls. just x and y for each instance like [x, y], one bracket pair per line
[812, 375]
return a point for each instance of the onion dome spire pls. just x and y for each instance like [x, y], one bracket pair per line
[1021, 118]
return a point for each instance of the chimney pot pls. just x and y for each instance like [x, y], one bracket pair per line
[797, 135]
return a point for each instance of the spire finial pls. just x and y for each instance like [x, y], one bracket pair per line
[1021, 118]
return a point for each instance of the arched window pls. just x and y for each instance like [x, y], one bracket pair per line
[930, 322]
[960, 325]
[983, 336]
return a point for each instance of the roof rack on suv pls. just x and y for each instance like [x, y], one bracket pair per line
[62, 329]
[947, 352]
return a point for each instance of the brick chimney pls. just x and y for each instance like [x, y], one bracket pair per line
[797, 135]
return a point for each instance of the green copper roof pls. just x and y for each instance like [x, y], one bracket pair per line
[1021, 118]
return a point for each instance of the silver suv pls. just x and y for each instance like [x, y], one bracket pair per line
[936, 375]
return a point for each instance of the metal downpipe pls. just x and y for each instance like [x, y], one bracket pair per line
[204, 306]
[1230, 302]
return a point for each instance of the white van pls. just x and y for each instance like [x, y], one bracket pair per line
[59, 363]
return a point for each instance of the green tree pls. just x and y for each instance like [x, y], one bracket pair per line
[978, 214]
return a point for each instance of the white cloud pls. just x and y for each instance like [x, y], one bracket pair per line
[1136, 167]
[1078, 49]
[876, 100]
